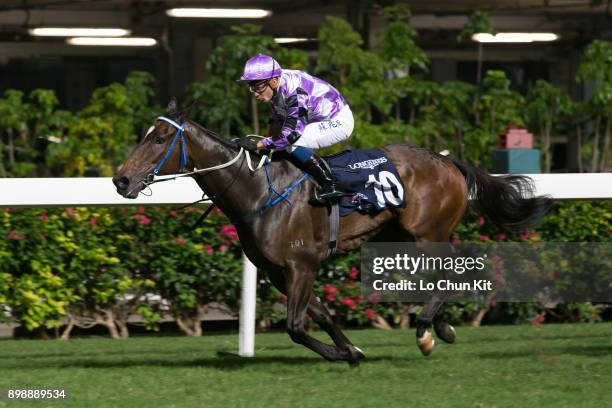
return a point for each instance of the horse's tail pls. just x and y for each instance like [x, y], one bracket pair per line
[507, 201]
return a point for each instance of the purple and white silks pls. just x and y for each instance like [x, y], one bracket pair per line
[301, 99]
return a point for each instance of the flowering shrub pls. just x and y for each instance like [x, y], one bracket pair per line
[569, 221]
[339, 288]
[98, 266]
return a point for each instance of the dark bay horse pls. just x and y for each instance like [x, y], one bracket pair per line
[290, 242]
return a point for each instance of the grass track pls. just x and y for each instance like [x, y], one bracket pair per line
[508, 366]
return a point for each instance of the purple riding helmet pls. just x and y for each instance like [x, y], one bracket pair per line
[261, 67]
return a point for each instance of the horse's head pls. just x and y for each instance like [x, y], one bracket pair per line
[161, 151]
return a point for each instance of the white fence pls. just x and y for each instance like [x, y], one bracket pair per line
[100, 191]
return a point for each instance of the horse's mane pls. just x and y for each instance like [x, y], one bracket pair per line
[277, 156]
[216, 136]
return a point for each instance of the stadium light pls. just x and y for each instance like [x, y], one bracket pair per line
[514, 37]
[116, 42]
[289, 40]
[78, 32]
[217, 13]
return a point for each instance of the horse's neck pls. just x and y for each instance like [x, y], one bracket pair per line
[234, 189]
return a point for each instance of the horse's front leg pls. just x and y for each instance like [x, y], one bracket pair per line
[300, 279]
[320, 315]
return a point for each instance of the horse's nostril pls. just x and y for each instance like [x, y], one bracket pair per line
[122, 182]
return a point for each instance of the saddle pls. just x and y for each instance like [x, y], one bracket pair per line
[369, 179]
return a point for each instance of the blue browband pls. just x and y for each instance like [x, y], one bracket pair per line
[178, 135]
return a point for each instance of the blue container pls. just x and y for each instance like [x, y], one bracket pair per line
[516, 161]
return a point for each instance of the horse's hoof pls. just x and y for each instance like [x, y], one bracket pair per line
[356, 355]
[426, 343]
[445, 332]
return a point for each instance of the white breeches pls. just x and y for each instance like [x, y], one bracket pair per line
[318, 135]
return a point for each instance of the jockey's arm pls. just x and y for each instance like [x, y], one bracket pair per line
[293, 124]
[274, 129]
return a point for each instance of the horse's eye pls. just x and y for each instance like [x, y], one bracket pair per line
[160, 140]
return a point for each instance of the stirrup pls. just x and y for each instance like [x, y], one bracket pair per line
[330, 198]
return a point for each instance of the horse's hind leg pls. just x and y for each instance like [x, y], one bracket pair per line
[432, 312]
[443, 330]
[300, 279]
[319, 313]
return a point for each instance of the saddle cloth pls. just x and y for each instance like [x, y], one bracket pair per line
[369, 180]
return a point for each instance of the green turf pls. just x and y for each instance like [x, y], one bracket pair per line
[510, 366]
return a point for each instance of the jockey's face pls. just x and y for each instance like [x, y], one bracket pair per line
[264, 91]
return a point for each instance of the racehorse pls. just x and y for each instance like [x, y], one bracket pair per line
[290, 242]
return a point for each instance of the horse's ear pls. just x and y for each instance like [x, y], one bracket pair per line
[172, 106]
[186, 112]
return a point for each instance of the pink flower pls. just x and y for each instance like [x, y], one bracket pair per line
[497, 260]
[370, 314]
[70, 212]
[484, 237]
[373, 297]
[455, 239]
[15, 236]
[525, 234]
[331, 298]
[538, 320]
[142, 219]
[172, 213]
[229, 231]
[480, 221]
[208, 249]
[348, 302]
[93, 222]
[141, 210]
[43, 217]
[492, 303]
[180, 241]
[501, 236]
[354, 273]
[223, 248]
[329, 289]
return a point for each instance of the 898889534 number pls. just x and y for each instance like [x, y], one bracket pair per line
[17, 394]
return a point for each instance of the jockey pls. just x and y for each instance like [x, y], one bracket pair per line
[307, 114]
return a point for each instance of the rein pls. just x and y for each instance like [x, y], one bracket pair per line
[150, 179]
[179, 135]
[274, 196]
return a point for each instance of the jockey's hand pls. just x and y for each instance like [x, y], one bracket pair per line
[247, 144]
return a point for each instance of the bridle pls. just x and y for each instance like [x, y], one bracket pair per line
[179, 136]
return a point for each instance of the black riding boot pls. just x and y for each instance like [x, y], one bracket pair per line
[316, 168]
